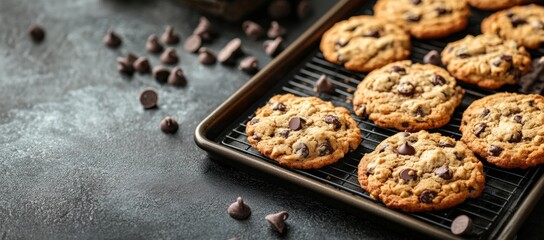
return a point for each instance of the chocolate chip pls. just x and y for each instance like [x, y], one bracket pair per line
[443, 172]
[485, 112]
[279, 9]
[509, 14]
[279, 106]
[284, 133]
[361, 110]
[518, 118]
[330, 119]
[275, 30]
[405, 124]
[296, 123]
[37, 33]
[169, 36]
[432, 57]
[169, 56]
[239, 210]
[495, 150]
[161, 74]
[206, 56]
[372, 33]
[254, 121]
[277, 221]
[169, 125]
[256, 138]
[304, 9]
[506, 58]
[112, 40]
[177, 78]
[252, 30]
[406, 88]
[398, 69]
[408, 174]
[131, 57]
[124, 66]
[324, 85]
[232, 50]
[340, 42]
[204, 29]
[462, 53]
[479, 129]
[192, 43]
[273, 47]
[441, 10]
[302, 150]
[516, 137]
[419, 112]
[461, 225]
[459, 155]
[413, 17]
[427, 196]
[249, 64]
[516, 21]
[416, 2]
[438, 80]
[149, 98]
[406, 149]
[324, 149]
[382, 149]
[153, 45]
[446, 144]
[141, 65]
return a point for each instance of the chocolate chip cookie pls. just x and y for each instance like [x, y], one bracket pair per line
[523, 24]
[506, 129]
[303, 132]
[363, 43]
[421, 171]
[486, 60]
[408, 96]
[425, 18]
[491, 5]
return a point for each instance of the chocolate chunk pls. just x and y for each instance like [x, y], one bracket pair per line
[302, 150]
[279, 9]
[254, 121]
[273, 47]
[432, 57]
[495, 150]
[149, 98]
[331, 119]
[161, 74]
[416, 2]
[169, 36]
[296, 123]
[232, 50]
[516, 21]
[141, 65]
[324, 85]
[406, 88]
[398, 69]
[406, 149]
[252, 30]
[204, 29]
[361, 110]
[461, 225]
[459, 155]
[485, 112]
[192, 43]
[169, 125]
[275, 30]
[37, 33]
[419, 112]
[239, 210]
[518, 118]
[446, 144]
[256, 138]
[441, 10]
[153, 45]
[408, 174]
[444, 172]
[284, 133]
[169, 56]
[413, 17]
[340, 42]
[324, 149]
[427, 196]
[249, 64]
[177, 78]
[506, 58]
[277, 221]
[206, 56]
[279, 107]
[438, 80]
[304, 9]
[124, 66]
[516, 137]
[372, 33]
[479, 129]
[112, 40]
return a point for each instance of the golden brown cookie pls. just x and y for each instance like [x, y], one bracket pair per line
[491, 5]
[303, 132]
[363, 43]
[421, 171]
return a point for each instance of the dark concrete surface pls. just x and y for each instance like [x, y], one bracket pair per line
[81, 159]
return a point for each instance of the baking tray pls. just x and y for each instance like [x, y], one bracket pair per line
[509, 195]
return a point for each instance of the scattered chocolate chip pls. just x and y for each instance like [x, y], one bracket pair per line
[273, 47]
[149, 98]
[459, 155]
[169, 125]
[275, 30]
[249, 64]
[161, 74]
[479, 129]
[413, 17]
[516, 21]
[340, 42]
[304, 9]
[416, 2]
[461, 225]
[506, 58]
[204, 29]
[398, 69]
[441, 10]
[284, 133]
[279, 9]
[331, 119]
[252, 30]
[324, 85]
[427, 196]
[324, 149]
[37, 33]
[406, 88]
[112, 40]
[206, 56]
[277, 220]
[279, 106]
[254, 121]
[372, 33]
[516, 137]
[124, 66]
[239, 210]
[406, 149]
[443, 172]
[177, 78]
[518, 118]
[232, 50]
[153, 45]
[256, 138]
[131, 57]
[438, 80]
[296, 123]
[432, 57]
[408, 174]
[169, 36]
[302, 150]
[141, 65]
[485, 112]
[192, 43]
[495, 150]
[169, 56]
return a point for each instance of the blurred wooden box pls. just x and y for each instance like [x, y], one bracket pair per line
[231, 10]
